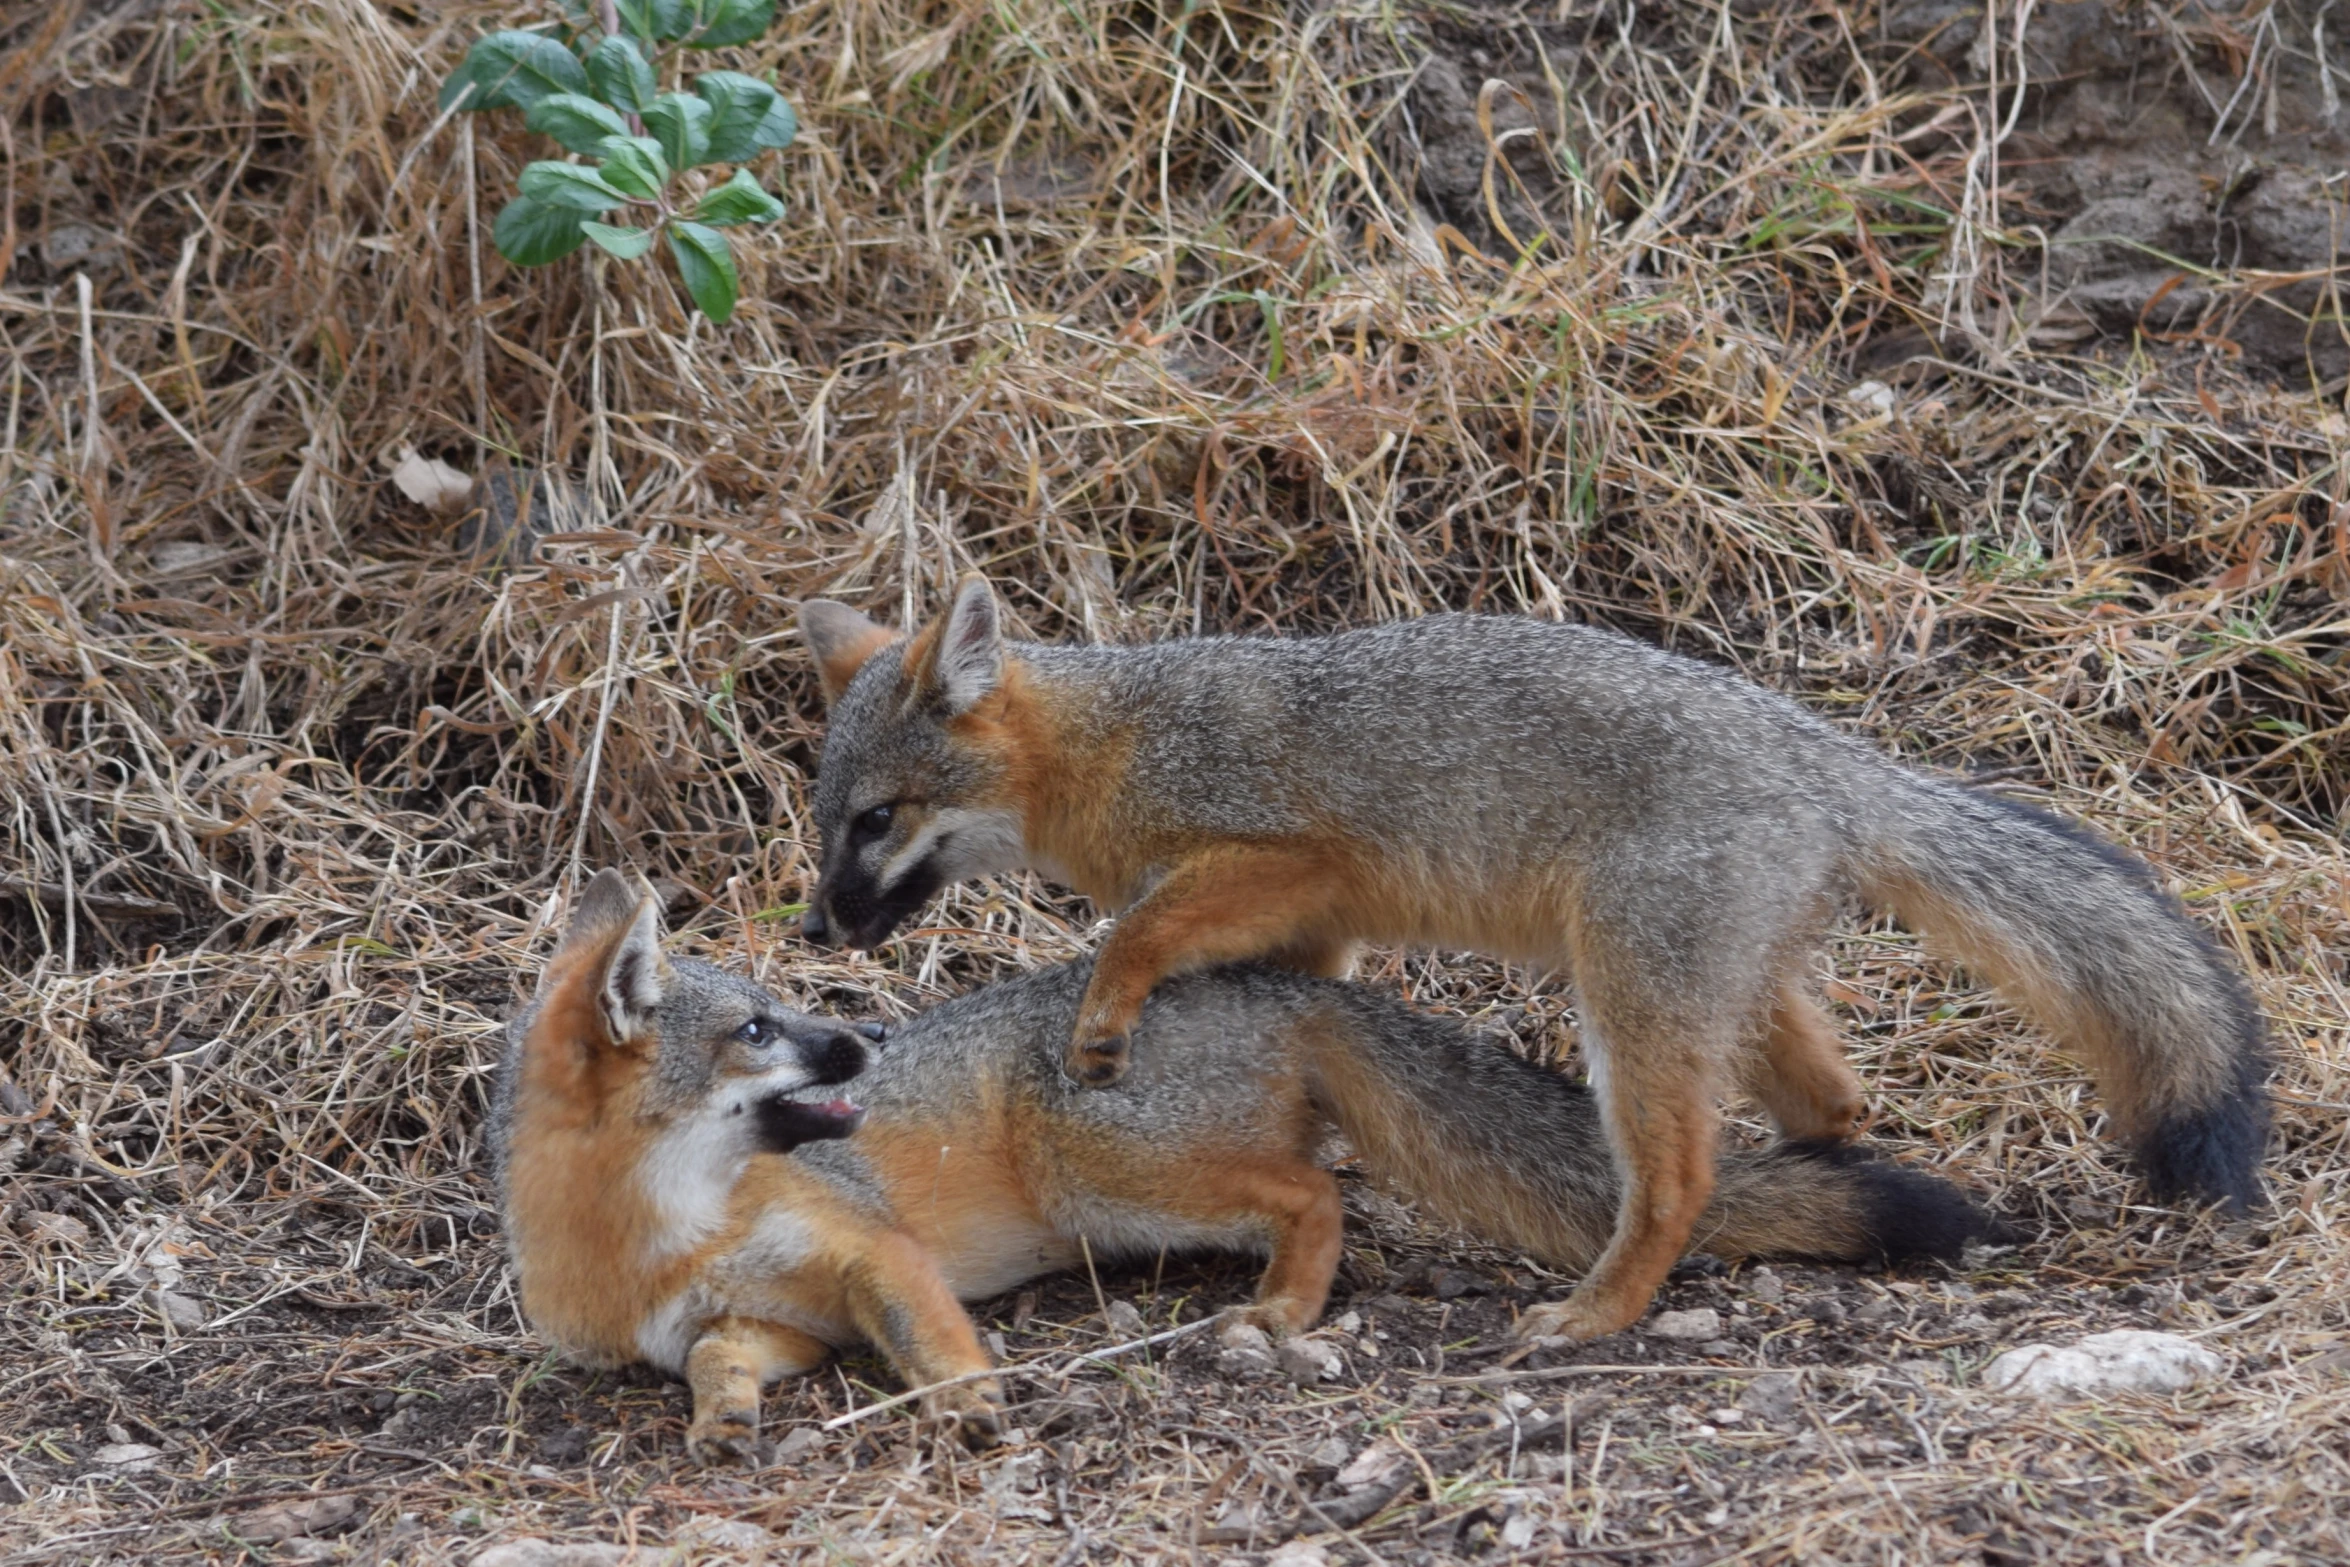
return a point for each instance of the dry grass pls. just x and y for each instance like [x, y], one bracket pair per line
[1169, 318]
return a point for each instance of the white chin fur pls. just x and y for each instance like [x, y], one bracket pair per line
[690, 1170]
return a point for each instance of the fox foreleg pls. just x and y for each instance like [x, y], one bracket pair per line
[1219, 906]
[733, 1359]
[901, 1303]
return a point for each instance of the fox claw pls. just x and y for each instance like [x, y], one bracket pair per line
[1575, 1319]
[1097, 1063]
[726, 1439]
[975, 1415]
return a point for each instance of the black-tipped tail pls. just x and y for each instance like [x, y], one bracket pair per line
[2213, 1154]
[1905, 1214]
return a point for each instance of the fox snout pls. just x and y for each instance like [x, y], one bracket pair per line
[829, 1052]
[850, 909]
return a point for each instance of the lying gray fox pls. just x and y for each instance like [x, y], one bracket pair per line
[673, 1195]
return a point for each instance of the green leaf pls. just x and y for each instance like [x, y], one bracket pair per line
[620, 74]
[671, 18]
[570, 185]
[706, 262]
[779, 127]
[627, 244]
[682, 124]
[636, 16]
[739, 105]
[634, 164]
[727, 22]
[739, 200]
[514, 70]
[574, 119]
[531, 234]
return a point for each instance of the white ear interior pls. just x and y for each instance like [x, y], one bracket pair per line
[631, 993]
[971, 648]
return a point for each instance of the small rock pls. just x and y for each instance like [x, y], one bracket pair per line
[1875, 1311]
[1775, 1399]
[1239, 1524]
[1124, 1321]
[798, 1443]
[726, 1534]
[71, 245]
[181, 1312]
[1377, 1464]
[1299, 1553]
[57, 1229]
[567, 1446]
[1972, 1325]
[291, 1520]
[1453, 1283]
[1307, 1361]
[1247, 1352]
[1765, 1287]
[129, 1457]
[1350, 1324]
[548, 1553]
[1330, 1455]
[2131, 1360]
[1719, 1348]
[1873, 397]
[1700, 1322]
[304, 1549]
[1518, 1533]
[431, 483]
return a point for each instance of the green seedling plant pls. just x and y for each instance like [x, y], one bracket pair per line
[592, 84]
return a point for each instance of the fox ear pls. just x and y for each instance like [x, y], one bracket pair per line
[616, 930]
[961, 658]
[842, 640]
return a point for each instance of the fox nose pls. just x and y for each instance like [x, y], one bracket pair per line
[814, 927]
[837, 1059]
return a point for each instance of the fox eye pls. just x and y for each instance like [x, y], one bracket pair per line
[875, 822]
[754, 1032]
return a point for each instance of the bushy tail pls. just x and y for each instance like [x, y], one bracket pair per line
[1517, 1154]
[2081, 935]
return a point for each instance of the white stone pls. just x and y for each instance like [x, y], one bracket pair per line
[2129, 1361]
[1307, 1361]
[1124, 1321]
[431, 483]
[549, 1553]
[129, 1457]
[726, 1534]
[1377, 1464]
[1875, 396]
[1700, 1322]
[1299, 1553]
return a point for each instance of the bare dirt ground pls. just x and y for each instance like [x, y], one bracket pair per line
[1978, 380]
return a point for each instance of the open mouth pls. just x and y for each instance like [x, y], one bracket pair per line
[784, 1124]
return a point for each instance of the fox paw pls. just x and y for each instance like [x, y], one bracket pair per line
[1276, 1319]
[1577, 1319]
[1097, 1063]
[731, 1437]
[974, 1414]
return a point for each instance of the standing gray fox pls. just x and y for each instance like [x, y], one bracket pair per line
[1674, 836]
[671, 1194]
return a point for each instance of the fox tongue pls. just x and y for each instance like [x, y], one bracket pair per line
[840, 1107]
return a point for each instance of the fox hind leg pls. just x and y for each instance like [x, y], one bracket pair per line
[1800, 1073]
[726, 1368]
[1656, 1062]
